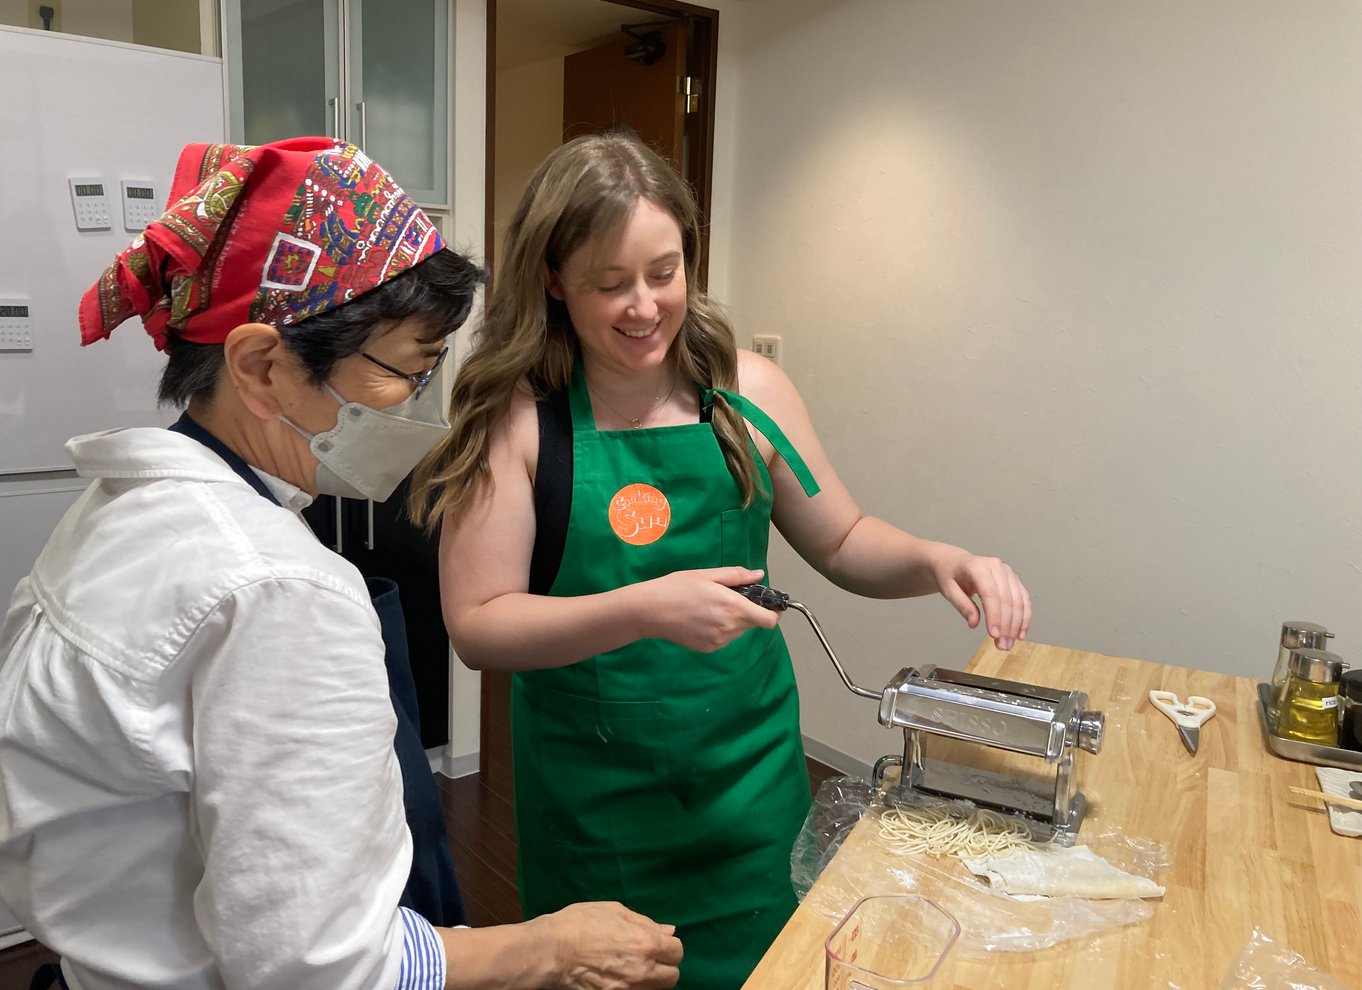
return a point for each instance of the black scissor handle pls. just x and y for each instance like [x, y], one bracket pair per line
[776, 601]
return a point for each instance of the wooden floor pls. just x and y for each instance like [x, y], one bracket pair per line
[18, 963]
[482, 837]
[481, 826]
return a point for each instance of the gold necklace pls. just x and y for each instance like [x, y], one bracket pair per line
[637, 424]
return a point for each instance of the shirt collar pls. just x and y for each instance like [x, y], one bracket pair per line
[152, 452]
[289, 496]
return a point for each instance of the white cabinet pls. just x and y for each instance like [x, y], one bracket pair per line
[371, 72]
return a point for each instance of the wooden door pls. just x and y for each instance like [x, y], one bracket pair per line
[634, 82]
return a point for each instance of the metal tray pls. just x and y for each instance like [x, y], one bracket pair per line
[1303, 752]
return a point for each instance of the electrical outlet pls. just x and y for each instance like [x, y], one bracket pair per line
[767, 347]
[45, 15]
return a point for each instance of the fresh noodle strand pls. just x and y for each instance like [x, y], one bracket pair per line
[933, 831]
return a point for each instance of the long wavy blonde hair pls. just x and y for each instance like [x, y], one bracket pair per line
[582, 194]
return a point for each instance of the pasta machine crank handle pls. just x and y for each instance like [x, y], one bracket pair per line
[778, 601]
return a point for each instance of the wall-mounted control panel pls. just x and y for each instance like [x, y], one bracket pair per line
[16, 327]
[139, 205]
[90, 200]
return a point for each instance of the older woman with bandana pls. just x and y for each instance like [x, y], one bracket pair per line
[201, 765]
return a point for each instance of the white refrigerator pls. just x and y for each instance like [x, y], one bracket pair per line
[106, 114]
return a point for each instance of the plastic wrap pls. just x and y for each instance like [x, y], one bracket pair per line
[1263, 964]
[989, 920]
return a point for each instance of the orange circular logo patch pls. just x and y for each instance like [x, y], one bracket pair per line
[639, 514]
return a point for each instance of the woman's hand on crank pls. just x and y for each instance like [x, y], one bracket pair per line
[700, 610]
[605, 946]
[962, 577]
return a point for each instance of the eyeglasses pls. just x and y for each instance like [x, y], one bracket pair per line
[419, 380]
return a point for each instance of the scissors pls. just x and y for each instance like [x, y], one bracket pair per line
[1188, 718]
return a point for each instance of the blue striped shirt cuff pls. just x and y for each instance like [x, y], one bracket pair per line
[423, 955]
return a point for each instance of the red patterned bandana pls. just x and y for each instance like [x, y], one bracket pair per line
[271, 234]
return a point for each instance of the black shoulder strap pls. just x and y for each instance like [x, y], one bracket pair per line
[552, 490]
[191, 428]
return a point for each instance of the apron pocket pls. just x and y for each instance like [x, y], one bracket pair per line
[735, 548]
[596, 770]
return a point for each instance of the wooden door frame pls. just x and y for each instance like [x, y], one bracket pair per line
[704, 55]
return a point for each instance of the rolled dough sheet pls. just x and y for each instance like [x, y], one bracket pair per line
[1056, 871]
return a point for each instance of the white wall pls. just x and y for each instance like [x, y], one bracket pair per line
[529, 125]
[109, 19]
[1075, 284]
[171, 24]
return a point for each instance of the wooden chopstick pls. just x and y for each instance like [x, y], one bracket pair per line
[1328, 798]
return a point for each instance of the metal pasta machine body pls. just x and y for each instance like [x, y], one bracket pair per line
[1021, 718]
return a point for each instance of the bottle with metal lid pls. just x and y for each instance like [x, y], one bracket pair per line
[1296, 635]
[1350, 710]
[1309, 709]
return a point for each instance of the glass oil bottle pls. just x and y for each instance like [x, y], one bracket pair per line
[1309, 708]
[1296, 635]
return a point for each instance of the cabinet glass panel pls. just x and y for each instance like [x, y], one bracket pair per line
[285, 68]
[398, 84]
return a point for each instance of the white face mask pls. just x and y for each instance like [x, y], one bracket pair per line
[369, 451]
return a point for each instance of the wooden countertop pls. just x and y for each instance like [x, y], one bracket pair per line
[1246, 853]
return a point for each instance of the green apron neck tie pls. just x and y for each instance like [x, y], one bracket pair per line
[580, 402]
[753, 413]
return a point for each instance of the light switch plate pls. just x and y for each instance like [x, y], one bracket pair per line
[16, 326]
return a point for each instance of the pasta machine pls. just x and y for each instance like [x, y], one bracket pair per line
[1020, 718]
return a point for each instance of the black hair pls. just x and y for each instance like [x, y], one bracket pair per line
[440, 288]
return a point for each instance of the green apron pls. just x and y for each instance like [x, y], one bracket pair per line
[669, 780]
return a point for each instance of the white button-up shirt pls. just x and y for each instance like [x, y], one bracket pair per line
[197, 779]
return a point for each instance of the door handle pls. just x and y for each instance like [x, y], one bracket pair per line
[363, 126]
[334, 104]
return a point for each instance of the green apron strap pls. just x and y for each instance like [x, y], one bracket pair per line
[753, 413]
[579, 399]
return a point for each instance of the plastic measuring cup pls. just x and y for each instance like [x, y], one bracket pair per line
[889, 941]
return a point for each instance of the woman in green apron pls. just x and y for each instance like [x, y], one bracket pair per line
[613, 471]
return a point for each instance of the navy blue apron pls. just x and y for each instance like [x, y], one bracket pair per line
[48, 975]
[432, 889]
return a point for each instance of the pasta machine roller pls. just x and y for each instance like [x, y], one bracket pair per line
[1020, 718]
